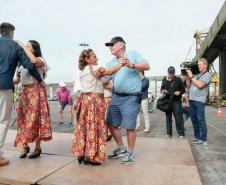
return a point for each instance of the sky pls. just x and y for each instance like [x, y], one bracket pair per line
[161, 30]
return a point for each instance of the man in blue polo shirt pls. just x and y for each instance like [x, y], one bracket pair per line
[126, 98]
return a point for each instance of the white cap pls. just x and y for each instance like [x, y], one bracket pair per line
[62, 84]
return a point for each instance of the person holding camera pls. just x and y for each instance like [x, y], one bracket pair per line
[173, 87]
[199, 89]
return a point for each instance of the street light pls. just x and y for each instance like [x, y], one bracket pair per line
[84, 45]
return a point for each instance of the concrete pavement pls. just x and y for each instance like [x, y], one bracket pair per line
[158, 162]
[210, 160]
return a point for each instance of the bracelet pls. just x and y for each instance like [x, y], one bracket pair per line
[133, 66]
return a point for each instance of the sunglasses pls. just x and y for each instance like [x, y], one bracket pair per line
[112, 44]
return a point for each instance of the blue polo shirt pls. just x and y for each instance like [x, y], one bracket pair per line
[127, 80]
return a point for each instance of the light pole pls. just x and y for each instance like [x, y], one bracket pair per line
[84, 45]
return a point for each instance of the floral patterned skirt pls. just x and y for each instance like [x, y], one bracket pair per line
[33, 122]
[90, 131]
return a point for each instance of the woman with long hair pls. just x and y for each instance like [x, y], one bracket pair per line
[33, 122]
[89, 143]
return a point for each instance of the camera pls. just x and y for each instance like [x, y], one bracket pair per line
[184, 72]
[193, 66]
[165, 92]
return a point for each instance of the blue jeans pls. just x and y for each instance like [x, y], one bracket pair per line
[197, 111]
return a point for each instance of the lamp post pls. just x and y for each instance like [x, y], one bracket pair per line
[84, 45]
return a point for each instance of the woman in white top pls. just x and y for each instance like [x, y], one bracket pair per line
[33, 120]
[89, 143]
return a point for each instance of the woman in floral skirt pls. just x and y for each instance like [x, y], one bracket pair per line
[89, 143]
[34, 124]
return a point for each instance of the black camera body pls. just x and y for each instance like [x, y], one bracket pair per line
[165, 92]
[193, 66]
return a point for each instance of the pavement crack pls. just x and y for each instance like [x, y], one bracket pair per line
[58, 169]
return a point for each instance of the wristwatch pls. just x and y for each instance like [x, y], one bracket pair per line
[133, 66]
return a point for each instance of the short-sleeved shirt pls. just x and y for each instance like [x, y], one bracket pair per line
[27, 79]
[64, 95]
[197, 94]
[127, 80]
[89, 83]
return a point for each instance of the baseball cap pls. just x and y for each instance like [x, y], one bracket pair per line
[171, 69]
[62, 84]
[114, 40]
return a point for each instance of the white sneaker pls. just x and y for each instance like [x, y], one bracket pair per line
[193, 140]
[181, 137]
[129, 158]
[167, 137]
[205, 143]
[147, 130]
[118, 152]
[138, 129]
[198, 142]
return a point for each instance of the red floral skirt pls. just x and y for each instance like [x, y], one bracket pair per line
[33, 120]
[90, 131]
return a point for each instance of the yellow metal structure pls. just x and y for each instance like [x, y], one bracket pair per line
[215, 99]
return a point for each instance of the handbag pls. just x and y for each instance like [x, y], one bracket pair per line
[164, 102]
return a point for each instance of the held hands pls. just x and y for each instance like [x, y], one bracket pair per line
[100, 72]
[125, 62]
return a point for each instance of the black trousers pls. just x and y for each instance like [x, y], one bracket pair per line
[178, 115]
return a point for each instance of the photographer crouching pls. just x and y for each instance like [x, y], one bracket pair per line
[173, 86]
[199, 88]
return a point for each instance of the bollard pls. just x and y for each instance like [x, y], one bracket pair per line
[219, 113]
